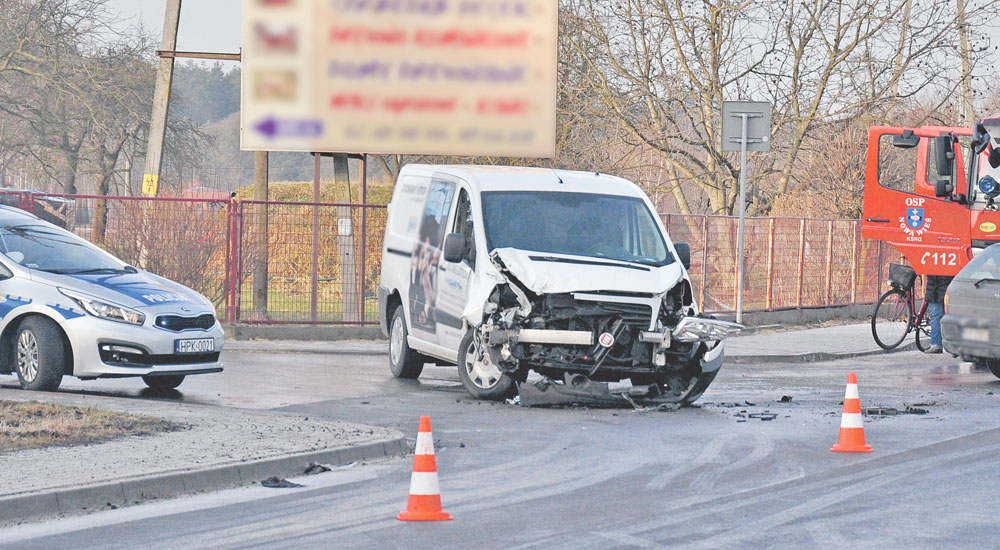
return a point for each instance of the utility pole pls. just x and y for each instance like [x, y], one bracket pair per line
[260, 193]
[161, 99]
[968, 112]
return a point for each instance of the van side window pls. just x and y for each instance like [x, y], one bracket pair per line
[464, 225]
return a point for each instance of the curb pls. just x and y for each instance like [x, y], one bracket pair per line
[356, 352]
[33, 506]
[812, 357]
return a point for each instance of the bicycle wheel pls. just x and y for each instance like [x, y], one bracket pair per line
[891, 318]
[924, 332]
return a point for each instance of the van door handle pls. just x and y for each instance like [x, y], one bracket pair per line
[877, 220]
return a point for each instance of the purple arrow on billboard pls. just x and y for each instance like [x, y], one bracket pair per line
[273, 127]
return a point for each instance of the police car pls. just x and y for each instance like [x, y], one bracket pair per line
[69, 308]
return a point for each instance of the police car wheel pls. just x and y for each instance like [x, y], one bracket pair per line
[163, 382]
[39, 354]
[404, 362]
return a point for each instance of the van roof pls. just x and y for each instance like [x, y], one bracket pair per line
[520, 178]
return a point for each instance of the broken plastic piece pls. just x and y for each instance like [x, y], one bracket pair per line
[275, 482]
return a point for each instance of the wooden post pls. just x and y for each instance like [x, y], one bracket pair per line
[770, 264]
[313, 298]
[260, 193]
[161, 100]
[829, 264]
[856, 245]
[802, 257]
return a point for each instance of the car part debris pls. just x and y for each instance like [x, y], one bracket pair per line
[881, 411]
[764, 416]
[316, 468]
[915, 410]
[786, 399]
[577, 389]
[275, 482]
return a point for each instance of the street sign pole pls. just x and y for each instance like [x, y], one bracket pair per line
[746, 126]
[743, 215]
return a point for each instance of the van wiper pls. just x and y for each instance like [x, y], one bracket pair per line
[986, 280]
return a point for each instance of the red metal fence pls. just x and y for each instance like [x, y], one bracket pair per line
[323, 259]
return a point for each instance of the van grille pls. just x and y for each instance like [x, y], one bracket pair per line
[633, 315]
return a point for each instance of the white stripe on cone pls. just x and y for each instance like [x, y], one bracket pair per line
[852, 420]
[424, 483]
[852, 392]
[425, 444]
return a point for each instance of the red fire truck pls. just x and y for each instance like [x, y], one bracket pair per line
[925, 199]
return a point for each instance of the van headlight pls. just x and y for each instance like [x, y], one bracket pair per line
[105, 310]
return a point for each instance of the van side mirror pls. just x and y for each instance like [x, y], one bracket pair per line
[906, 140]
[945, 153]
[994, 158]
[454, 245]
[684, 254]
[943, 188]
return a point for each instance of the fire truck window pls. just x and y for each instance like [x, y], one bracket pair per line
[897, 167]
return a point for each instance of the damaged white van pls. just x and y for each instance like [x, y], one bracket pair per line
[505, 270]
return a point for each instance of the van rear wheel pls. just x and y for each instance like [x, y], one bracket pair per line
[39, 354]
[404, 362]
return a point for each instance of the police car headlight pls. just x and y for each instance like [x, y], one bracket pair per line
[105, 310]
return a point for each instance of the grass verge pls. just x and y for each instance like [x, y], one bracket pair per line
[33, 425]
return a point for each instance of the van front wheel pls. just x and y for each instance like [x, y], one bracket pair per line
[403, 361]
[481, 378]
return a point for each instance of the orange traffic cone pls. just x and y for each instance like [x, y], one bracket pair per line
[852, 428]
[425, 495]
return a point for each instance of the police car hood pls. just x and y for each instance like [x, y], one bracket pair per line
[136, 290]
[545, 273]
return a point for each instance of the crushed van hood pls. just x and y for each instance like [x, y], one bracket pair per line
[545, 273]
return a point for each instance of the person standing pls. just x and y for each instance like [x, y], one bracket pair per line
[936, 287]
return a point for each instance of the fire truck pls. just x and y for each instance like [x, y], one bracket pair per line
[932, 192]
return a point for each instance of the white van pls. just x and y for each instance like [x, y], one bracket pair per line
[503, 270]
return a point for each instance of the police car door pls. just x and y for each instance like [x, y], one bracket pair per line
[456, 276]
[900, 207]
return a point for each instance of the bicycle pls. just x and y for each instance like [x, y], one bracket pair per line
[893, 318]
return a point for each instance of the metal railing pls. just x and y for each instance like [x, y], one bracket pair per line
[323, 259]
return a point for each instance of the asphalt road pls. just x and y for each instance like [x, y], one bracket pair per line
[715, 476]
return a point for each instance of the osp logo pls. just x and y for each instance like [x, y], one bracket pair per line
[987, 227]
[914, 222]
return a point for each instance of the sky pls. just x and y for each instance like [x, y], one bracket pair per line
[206, 25]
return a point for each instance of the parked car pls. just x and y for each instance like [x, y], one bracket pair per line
[503, 270]
[69, 308]
[970, 328]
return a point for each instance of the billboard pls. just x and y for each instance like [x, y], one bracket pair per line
[440, 77]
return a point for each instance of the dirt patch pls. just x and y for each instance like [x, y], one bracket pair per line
[31, 425]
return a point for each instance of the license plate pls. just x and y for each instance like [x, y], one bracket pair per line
[977, 334]
[195, 345]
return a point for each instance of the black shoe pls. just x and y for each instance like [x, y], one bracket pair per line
[934, 349]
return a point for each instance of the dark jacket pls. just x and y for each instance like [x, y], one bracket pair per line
[936, 286]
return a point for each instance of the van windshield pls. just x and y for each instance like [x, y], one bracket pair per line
[581, 224]
[54, 250]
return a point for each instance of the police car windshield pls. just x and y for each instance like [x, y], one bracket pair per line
[582, 224]
[53, 250]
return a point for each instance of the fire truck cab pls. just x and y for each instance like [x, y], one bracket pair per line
[933, 193]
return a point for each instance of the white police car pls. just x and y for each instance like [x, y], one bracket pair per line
[68, 307]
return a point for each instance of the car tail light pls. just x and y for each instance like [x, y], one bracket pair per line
[946, 302]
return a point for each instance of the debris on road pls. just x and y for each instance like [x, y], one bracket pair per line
[786, 399]
[316, 468]
[275, 482]
[578, 389]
